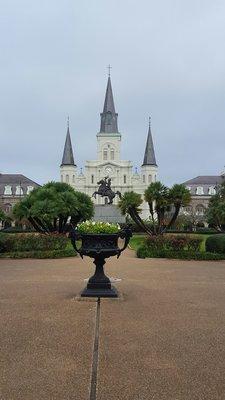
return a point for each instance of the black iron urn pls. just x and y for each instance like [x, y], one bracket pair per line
[100, 246]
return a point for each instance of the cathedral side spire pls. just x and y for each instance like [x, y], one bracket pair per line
[68, 158]
[109, 115]
[149, 156]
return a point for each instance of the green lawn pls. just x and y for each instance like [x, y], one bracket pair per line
[137, 240]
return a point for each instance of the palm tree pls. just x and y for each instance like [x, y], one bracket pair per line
[49, 207]
[130, 204]
[179, 196]
[160, 199]
[157, 197]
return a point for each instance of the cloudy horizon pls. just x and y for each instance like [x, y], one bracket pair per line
[167, 61]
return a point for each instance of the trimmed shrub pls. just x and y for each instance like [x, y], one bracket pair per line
[174, 243]
[134, 227]
[145, 252]
[215, 244]
[32, 242]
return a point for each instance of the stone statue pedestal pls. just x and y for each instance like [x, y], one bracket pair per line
[108, 213]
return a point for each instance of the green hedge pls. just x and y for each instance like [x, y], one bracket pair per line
[146, 252]
[215, 244]
[173, 243]
[17, 229]
[31, 242]
[40, 254]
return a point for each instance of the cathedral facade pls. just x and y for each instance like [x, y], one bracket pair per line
[108, 162]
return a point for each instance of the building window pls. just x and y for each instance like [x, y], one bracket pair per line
[212, 191]
[19, 191]
[112, 154]
[124, 179]
[8, 190]
[143, 178]
[199, 190]
[188, 209]
[73, 178]
[29, 189]
[61, 178]
[92, 178]
[105, 154]
[67, 178]
[150, 179]
[200, 210]
[8, 208]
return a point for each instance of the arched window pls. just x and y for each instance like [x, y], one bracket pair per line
[29, 189]
[112, 154]
[67, 178]
[19, 191]
[199, 190]
[211, 190]
[61, 178]
[8, 190]
[150, 179]
[200, 209]
[124, 179]
[105, 154]
[143, 178]
[92, 178]
[8, 208]
[73, 178]
[188, 209]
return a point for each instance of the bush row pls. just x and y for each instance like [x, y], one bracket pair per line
[40, 254]
[215, 244]
[207, 231]
[31, 242]
[146, 252]
[173, 243]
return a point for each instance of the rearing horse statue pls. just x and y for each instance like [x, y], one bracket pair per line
[105, 190]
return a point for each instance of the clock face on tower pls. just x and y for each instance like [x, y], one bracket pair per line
[108, 170]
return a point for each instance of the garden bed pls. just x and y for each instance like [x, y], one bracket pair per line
[176, 250]
[35, 246]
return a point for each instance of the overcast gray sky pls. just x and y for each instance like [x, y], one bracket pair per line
[168, 61]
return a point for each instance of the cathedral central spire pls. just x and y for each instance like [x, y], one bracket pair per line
[109, 115]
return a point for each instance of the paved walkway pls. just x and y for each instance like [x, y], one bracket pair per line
[165, 340]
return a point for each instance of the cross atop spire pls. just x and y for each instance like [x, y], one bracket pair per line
[68, 158]
[109, 67]
[149, 156]
[109, 115]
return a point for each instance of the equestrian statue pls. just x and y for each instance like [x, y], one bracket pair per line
[105, 190]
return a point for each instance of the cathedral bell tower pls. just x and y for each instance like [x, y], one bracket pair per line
[109, 138]
[149, 167]
[68, 167]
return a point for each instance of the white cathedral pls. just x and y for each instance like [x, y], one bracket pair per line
[108, 162]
